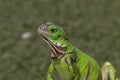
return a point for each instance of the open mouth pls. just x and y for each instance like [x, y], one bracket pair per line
[55, 50]
[43, 30]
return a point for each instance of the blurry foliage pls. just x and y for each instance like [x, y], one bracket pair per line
[93, 26]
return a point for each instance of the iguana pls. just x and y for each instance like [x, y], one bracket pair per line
[70, 62]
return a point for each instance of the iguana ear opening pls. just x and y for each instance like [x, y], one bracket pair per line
[59, 36]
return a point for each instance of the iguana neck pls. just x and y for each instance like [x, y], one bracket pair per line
[60, 48]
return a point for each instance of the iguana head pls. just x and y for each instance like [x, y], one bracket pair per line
[51, 31]
[55, 36]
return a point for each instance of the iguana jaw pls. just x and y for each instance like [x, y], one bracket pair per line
[57, 52]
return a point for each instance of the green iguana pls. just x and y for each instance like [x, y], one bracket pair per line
[70, 62]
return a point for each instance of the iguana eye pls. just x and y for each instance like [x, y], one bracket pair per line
[53, 30]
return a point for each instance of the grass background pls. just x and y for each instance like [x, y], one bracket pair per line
[93, 26]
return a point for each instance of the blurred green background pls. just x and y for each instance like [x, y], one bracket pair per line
[92, 25]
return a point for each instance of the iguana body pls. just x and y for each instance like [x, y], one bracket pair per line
[70, 62]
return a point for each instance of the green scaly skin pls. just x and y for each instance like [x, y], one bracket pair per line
[70, 62]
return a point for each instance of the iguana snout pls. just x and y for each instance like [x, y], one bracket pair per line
[43, 28]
